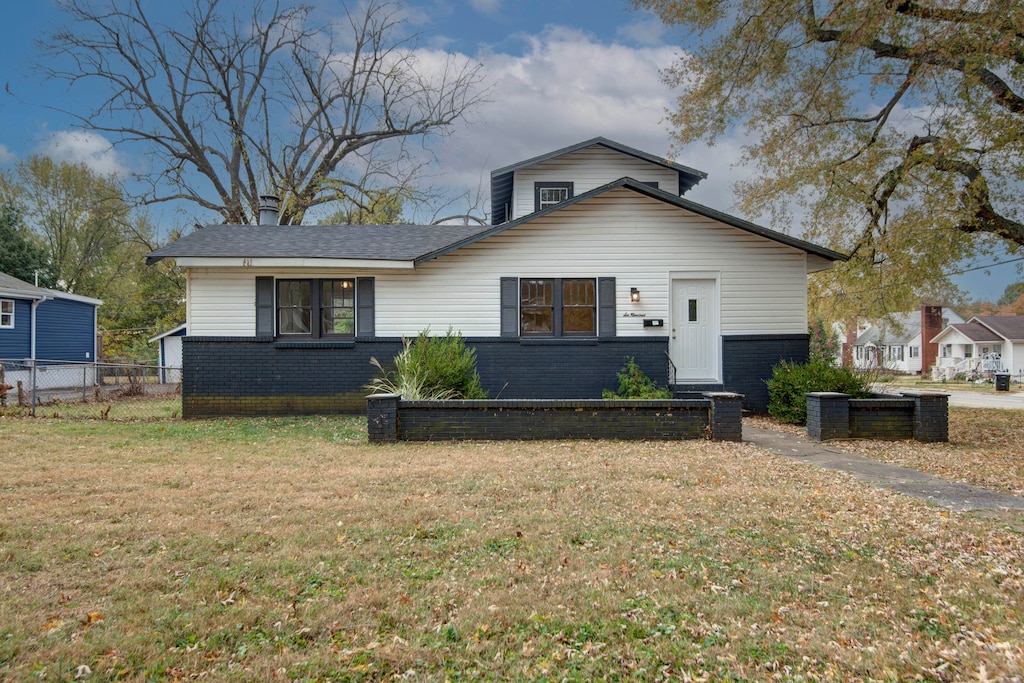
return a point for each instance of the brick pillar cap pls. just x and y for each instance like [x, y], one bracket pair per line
[382, 397]
[925, 394]
[726, 395]
[827, 394]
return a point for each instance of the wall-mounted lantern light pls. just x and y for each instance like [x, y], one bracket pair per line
[634, 295]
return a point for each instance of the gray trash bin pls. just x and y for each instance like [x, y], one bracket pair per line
[1002, 381]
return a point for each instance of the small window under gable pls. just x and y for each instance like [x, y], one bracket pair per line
[547, 194]
[6, 313]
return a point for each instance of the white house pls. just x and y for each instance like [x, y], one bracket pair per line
[984, 344]
[593, 256]
[895, 344]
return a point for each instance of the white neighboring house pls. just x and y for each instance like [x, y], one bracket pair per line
[895, 344]
[985, 343]
[170, 354]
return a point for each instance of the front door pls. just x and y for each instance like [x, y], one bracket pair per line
[694, 343]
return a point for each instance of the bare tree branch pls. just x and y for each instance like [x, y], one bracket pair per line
[231, 106]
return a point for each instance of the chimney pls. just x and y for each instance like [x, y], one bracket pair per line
[269, 206]
[931, 325]
[846, 354]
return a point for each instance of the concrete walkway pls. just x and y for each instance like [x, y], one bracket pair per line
[948, 494]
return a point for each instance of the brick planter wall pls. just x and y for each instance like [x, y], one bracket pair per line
[919, 415]
[717, 416]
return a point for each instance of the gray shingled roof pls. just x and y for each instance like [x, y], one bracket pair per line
[16, 287]
[1011, 327]
[899, 328]
[977, 332]
[416, 243]
[9, 282]
[371, 242]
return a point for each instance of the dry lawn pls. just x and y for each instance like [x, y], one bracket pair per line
[291, 550]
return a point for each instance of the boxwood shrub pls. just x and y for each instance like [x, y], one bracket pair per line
[790, 382]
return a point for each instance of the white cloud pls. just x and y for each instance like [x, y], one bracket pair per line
[567, 87]
[486, 6]
[79, 147]
[7, 156]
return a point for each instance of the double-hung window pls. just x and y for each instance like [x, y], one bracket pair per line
[558, 307]
[547, 194]
[316, 308]
[6, 313]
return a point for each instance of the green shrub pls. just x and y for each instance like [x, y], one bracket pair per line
[431, 368]
[791, 381]
[634, 383]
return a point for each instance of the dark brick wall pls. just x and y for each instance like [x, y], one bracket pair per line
[257, 376]
[885, 419]
[564, 369]
[828, 416]
[747, 361]
[540, 419]
[717, 416]
[923, 416]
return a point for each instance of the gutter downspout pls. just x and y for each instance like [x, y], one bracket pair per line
[32, 328]
[32, 347]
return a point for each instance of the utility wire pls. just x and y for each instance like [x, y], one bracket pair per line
[949, 274]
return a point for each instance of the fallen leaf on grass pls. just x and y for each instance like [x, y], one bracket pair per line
[92, 618]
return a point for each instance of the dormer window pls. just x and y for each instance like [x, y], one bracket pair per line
[548, 194]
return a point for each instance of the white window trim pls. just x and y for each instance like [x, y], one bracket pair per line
[6, 313]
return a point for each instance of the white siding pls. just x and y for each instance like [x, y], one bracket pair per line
[587, 169]
[641, 242]
[221, 303]
[1013, 357]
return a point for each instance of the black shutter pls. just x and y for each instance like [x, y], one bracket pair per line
[365, 325]
[264, 307]
[605, 307]
[509, 307]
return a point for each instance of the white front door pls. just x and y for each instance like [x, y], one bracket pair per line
[694, 342]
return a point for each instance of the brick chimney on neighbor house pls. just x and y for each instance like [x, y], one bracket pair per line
[931, 325]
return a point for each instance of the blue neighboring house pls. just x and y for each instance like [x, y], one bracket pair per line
[44, 324]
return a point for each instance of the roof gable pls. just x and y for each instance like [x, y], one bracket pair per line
[659, 195]
[1009, 327]
[502, 178]
[974, 331]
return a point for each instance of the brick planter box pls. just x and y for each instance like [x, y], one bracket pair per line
[718, 416]
[919, 415]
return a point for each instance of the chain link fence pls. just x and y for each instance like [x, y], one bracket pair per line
[122, 390]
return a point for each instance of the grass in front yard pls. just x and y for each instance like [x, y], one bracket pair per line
[154, 407]
[291, 550]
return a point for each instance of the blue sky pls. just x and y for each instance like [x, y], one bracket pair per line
[562, 71]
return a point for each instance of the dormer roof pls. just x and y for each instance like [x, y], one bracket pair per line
[502, 178]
